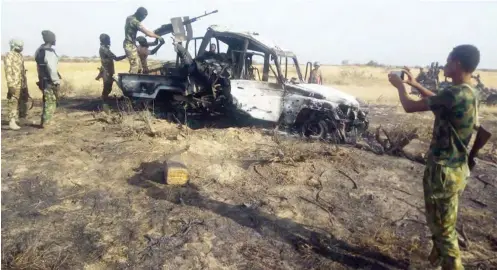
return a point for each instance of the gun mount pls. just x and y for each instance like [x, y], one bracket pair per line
[177, 23]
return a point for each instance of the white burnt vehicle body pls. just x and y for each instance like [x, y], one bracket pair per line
[273, 91]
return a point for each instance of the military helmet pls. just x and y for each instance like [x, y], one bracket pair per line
[16, 44]
[316, 64]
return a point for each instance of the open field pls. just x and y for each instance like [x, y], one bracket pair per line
[367, 83]
[88, 193]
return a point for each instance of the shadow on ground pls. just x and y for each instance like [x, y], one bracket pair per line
[269, 226]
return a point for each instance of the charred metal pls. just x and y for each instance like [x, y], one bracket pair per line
[229, 81]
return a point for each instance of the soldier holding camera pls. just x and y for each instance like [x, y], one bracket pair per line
[449, 161]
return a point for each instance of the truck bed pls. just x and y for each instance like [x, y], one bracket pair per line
[147, 86]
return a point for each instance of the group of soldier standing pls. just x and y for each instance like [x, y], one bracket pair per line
[47, 68]
[48, 80]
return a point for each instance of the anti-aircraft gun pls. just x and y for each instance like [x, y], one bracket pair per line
[177, 23]
[177, 28]
[197, 83]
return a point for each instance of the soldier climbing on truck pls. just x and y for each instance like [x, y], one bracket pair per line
[132, 26]
[144, 52]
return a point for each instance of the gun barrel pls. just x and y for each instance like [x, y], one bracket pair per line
[168, 28]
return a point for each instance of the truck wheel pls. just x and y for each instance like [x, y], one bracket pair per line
[315, 130]
[492, 100]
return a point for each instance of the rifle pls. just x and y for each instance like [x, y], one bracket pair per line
[100, 73]
[168, 28]
[27, 90]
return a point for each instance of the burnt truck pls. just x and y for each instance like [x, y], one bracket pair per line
[253, 77]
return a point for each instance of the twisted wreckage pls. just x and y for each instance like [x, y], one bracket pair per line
[229, 83]
[431, 81]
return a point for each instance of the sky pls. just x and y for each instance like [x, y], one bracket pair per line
[393, 32]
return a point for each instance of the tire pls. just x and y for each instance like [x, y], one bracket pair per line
[315, 130]
[491, 100]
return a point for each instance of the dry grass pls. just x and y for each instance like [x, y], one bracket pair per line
[367, 83]
[90, 190]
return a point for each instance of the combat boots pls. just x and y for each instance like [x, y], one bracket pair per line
[13, 125]
[25, 121]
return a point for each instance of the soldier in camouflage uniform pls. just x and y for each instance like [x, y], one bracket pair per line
[144, 52]
[107, 58]
[455, 110]
[421, 76]
[133, 24]
[316, 76]
[15, 74]
[48, 76]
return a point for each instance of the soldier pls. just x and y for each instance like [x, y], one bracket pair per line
[213, 48]
[479, 84]
[133, 24]
[448, 160]
[15, 74]
[315, 76]
[48, 76]
[107, 58]
[421, 76]
[437, 75]
[144, 52]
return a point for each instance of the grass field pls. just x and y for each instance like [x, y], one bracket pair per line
[367, 83]
[88, 193]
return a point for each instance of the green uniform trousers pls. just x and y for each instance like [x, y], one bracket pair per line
[443, 186]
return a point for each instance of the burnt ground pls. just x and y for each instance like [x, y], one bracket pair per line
[89, 194]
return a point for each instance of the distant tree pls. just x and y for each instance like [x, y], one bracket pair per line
[345, 62]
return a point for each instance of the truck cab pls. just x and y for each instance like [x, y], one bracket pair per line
[255, 77]
[267, 84]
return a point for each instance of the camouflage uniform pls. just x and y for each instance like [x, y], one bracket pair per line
[315, 75]
[447, 169]
[49, 103]
[48, 76]
[15, 74]
[107, 60]
[130, 30]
